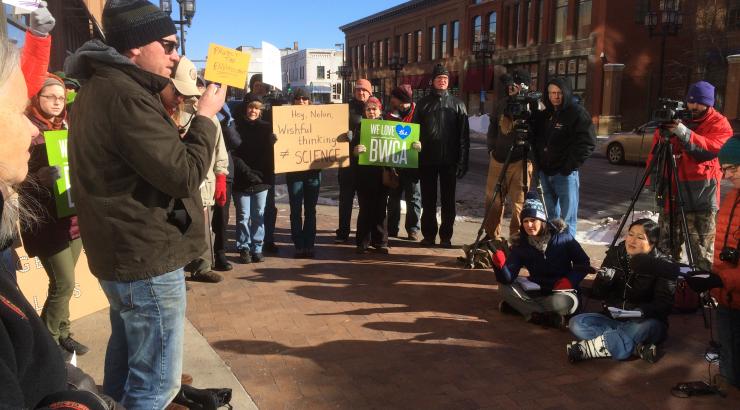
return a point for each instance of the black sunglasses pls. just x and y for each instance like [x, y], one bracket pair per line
[168, 46]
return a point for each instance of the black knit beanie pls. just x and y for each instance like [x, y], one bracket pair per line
[439, 69]
[133, 23]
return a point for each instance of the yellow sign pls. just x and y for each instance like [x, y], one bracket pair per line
[87, 296]
[227, 66]
[310, 137]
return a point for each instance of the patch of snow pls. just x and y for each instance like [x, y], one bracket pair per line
[479, 123]
[604, 231]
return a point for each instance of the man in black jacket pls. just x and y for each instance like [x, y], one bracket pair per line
[347, 183]
[137, 195]
[501, 137]
[564, 139]
[445, 136]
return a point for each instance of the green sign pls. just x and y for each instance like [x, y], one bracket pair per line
[388, 144]
[56, 151]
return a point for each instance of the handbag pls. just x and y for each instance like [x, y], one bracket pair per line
[391, 178]
[203, 399]
[686, 300]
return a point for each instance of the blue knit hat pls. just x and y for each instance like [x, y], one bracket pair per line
[701, 93]
[730, 152]
[533, 208]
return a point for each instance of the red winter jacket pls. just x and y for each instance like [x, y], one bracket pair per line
[728, 295]
[35, 61]
[699, 173]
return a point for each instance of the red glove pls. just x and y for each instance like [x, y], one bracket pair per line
[562, 284]
[499, 259]
[220, 194]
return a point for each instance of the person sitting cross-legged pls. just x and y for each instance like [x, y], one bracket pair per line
[635, 278]
[556, 263]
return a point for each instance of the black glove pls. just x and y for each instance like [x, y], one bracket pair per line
[701, 281]
[42, 22]
[461, 171]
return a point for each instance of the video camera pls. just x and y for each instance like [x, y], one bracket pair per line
[669, 110]
[518, 106]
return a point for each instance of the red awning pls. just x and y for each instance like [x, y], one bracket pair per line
[473, 79]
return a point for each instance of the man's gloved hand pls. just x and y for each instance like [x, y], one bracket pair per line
[47, 176]
[461, 171]
[220, 192]
[701, 281]
[42, 22]
[562, 284]
[680, 130]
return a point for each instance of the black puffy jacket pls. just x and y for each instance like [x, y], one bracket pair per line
[356, 109]
[651, 292]
[254, 163]
[565, 137]
[445, 132]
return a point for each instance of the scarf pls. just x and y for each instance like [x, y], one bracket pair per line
[540, 242]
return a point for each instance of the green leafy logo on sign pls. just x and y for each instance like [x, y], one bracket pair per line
[388, 144]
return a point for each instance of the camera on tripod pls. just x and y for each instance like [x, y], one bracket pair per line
[730, 255]
[669, 110]
[518, 105]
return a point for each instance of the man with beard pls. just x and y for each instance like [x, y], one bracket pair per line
[695, 145]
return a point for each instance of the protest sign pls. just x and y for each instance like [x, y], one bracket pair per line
[310, 137]
[388, 144]
[56, 151]
[271, 66]
[23, 6]
[227, 66]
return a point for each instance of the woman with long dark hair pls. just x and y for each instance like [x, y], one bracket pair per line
[634, 280]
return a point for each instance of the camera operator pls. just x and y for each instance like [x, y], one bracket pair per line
[695, 145]
[724, 280]
[564, 137]
[502, 134]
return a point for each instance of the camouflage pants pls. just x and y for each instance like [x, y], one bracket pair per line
[701, 226]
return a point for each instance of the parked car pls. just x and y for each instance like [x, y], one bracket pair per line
[632, 146]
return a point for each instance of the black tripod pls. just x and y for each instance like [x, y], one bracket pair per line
[522, 130]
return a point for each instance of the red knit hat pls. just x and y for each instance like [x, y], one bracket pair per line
[373, 100]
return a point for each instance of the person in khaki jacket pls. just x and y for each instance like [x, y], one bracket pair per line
[180, 100]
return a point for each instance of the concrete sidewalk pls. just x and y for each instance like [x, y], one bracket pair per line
[201, 361]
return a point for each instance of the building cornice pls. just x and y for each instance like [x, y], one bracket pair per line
[400, 10]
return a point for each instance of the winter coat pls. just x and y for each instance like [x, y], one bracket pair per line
[136, 181]
[356, 113]
[501, 135]
[231, 138]
[30, 364]
[444, 130]
[219, 162]
[564, 137]
[7, 243]
[254, 168]
[729, 294]
[653, 293]
[699, 173]
[563, 258]
[407, 116]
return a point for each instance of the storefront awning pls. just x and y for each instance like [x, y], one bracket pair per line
[425, 80]
[473, 79]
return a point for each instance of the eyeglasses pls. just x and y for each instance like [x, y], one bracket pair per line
[729, 168]
[168, 46]
[302, 98]
[54, 98]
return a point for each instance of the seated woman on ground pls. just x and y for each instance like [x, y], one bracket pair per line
[635, 278]
[556, 263]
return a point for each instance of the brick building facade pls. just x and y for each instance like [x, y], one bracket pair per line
[612, 62]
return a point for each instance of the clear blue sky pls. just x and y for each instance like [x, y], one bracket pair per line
[313, 24]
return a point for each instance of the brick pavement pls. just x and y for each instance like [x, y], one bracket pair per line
[414, 330]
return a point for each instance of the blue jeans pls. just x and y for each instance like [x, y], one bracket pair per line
[143, 362]
[728, 335]
[621, 336]
[270, 216]
[303, 192]
[250, 220]
[8, 264]
[561, 197]
[411, 189]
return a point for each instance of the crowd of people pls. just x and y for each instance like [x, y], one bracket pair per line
[153, 194]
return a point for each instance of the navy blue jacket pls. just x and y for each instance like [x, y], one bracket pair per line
[563, 258]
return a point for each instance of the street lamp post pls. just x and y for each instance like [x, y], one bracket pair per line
[187, 12]
[483, 50]
[670, 20]
[345, 72]
[396, 64]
